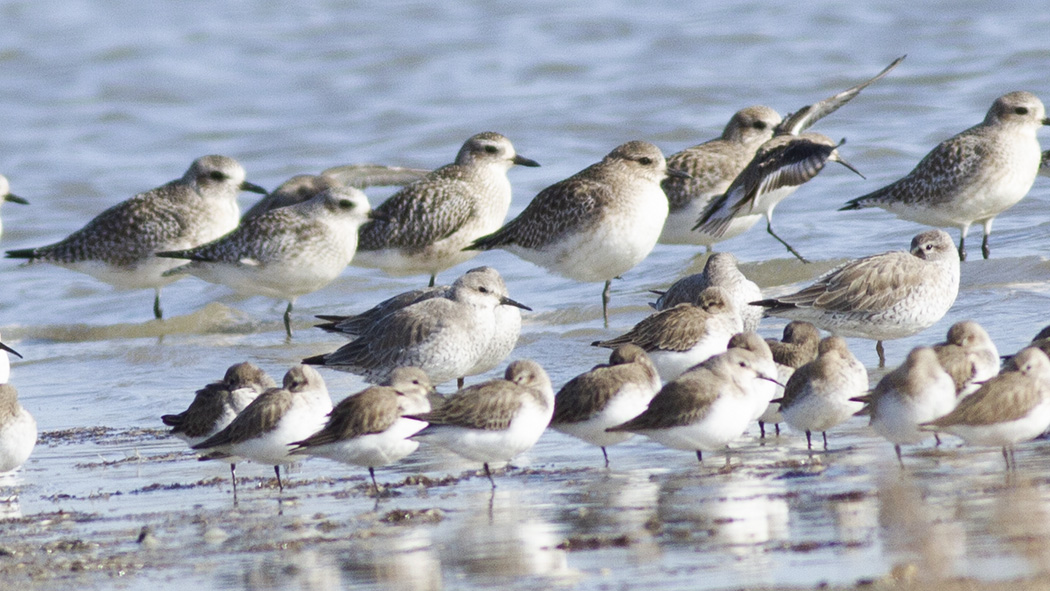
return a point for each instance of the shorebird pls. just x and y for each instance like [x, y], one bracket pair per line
[973, 176]
[969, 356]
[6, 195]
[884, 296]
[284, 253]
[596, 224]
[720, 271]
[119, 245]
[425, 226]
[17, 430]
[796, 348]
[5, 361]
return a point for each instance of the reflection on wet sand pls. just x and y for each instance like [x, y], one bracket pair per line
[401, 560]
[921, 536]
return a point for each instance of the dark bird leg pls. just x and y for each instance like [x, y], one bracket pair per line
[460, 382]
[233, 479]
[280, 485]
[372, 473]
[809, 442]
[489, 474]
[769, 228]
[897, 449]
[825, 434]
[986, 250]
[605, 302]
[882, 353]
[606, 457]
[761, 430]
[962, 248]
[157, 312]
[699, 456]
[777, 427]
[288, 320]
[433, 280]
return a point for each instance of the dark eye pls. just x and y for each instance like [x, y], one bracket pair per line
[759, 125]
[346, 204]
[645, 160]
[1021, 110]
[742, 364]
[216, 175]
[491, 149]
[929, 247]
[483, 289]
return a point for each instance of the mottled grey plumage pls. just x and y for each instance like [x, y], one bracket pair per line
[447, 337]
[302, 187]
[6, 195]
[118, 246]
[968, 355]
[286, 252]
[973, 176]
[595, 225]
[712, 166]
[721, 271]
[885, 296]
[424, 227]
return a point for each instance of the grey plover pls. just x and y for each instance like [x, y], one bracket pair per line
[369, 428]
[917, 392]
[214, 407]
[5, 361]
[607, 395]
[17, 430]
[7, 195]
[969, 356]
[884, 296]
[712, 167]
[119, 245]
[425, 226]
[720, 270]
[1011, 407]
[304, 187]
[284, 253]
[504, 337]
[797, 347]
[264, 430]
[973, 176]
[447, 337]
[705, 409]
[779, 166]
[595, 225]
[494, 421]
[778, 169]
[678, 338]
[818, 396]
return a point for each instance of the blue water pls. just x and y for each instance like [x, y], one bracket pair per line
[102, 100]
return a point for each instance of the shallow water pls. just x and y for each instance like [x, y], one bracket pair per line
[103, 101]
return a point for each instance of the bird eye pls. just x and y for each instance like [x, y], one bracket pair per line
[1021, 110]
[645, 160]
[759, 125]
[216, 175]
[483, 289]
[346, 204]
[929, 247]
[491, 149]
[742, 364]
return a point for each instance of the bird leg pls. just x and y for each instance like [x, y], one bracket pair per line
[489, 474]
[769, 228]
[605, 302]
[372, 473]
[288, 320]
[699, 456]
[986, 250]
[157, 312]
[881, 352]
[825, 434]
[280, 485]
[606, 457]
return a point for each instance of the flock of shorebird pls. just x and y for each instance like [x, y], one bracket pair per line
[692, 376]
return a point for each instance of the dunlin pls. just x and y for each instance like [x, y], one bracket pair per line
[818, 395]
[425, 226]
[368, 428]
[304, 187]
[764, 385]
[917, 392]
[595, 225]
[777, 169]
[264, 430]
[721, 271]
[496, 420]
[217, 404]
[712, 167]
[5, 362]
[973, 176]
[885, 296]
[119, 245]
[680, 337]
[17, 430]
[1011, 407]
[504, 337]
[796, 348]
[284, 253]
[6, 195]
[447, 337]
[606, 396]
[969, 356]
[705, 408]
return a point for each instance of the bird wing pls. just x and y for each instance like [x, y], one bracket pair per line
[489, 406]
[869, 284]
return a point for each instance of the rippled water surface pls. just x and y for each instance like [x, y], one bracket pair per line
[103, 100]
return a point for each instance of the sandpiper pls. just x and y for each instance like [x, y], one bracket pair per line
[119, 245]
[796, 348]
[973, 176]
[969, 356]
[595, 225]
[17, 430]
[720, 270]
[425, 226]
[606, 396]
[885, 296]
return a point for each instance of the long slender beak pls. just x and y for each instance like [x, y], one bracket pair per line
[505, 301]
[680, 174]
[523, 161]
[769, 379]
[10, 350]
[15, 199]
[246, 186]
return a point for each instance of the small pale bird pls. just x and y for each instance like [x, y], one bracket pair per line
[7, 195]
[17, 430]
[720, 270]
